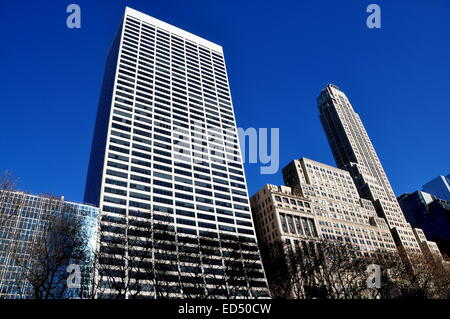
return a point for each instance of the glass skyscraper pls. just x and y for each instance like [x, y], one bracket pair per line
[33, 235]
[439, 187]
[166, 150]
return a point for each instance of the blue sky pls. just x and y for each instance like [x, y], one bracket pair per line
[279, 56]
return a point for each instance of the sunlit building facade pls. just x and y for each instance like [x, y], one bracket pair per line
[319, 202]
[166, 148]
[341, 214]
[353, 151]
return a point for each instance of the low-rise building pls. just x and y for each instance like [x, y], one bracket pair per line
[39, 236]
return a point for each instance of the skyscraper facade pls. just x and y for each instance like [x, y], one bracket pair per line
[353, 151]
[166, 148]
[318, 202]
[341, 214]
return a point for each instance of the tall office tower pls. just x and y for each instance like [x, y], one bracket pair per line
[165, 149]
[40, 236]
[353, 151]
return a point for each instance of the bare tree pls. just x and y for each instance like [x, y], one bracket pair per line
[146, 257]
[134, 259]
[336, 270]
[42, 257]
[243, 268]
[424, 277]
[11, 204]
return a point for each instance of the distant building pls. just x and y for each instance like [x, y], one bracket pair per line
[439, 187]
[430, 213]
[24, 225]
[353, 151]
